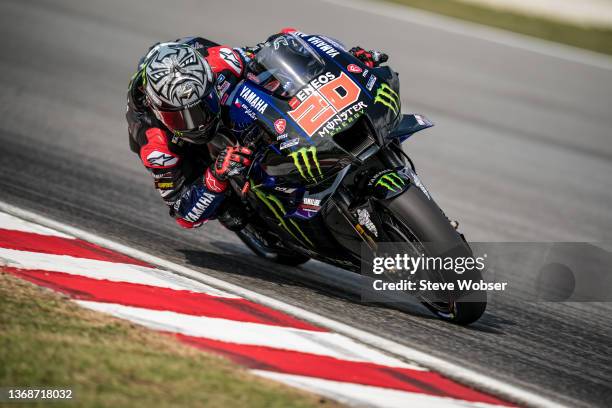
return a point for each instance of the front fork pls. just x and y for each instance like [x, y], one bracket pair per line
[388, 177]
[357, 219]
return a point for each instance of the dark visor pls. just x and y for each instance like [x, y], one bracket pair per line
[195, 118]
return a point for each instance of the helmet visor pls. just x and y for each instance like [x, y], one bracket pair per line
[190, 123]
[187, 119]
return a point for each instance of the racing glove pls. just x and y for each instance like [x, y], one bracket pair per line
[230, 162]
[200, 202]
[370, 58]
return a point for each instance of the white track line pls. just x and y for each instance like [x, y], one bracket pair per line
[452, 370]
[479, 31]
[17, 224]
[366, 395]
[252, 334]
[112, 271]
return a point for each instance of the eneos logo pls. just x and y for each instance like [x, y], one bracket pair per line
[323, 98]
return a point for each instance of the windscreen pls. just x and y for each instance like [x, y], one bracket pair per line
[284, 65]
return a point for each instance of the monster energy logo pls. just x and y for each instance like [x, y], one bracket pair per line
[391, 181]
[388, 97]
[301, 159]
[278, 209]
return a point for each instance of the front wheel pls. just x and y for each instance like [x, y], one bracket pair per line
[263, 246]
[416, 221]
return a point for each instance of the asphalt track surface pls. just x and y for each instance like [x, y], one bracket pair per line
[522, 151]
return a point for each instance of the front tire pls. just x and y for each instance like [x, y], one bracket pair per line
[414, 219]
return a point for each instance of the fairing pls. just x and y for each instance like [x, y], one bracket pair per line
[285, 65]
[305, 131]
[315, 134]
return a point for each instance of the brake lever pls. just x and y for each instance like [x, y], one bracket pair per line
[247, 175]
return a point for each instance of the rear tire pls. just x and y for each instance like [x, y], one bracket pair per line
[257, 242]
[419, 220]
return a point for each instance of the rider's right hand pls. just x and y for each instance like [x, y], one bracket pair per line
[230, 162]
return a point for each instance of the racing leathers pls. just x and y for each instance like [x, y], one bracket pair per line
[182, 173]
[181, 170]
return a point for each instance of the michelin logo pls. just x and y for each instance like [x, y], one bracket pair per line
[289, 143]
[371, 82]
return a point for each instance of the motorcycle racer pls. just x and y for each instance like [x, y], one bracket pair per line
[175, 106]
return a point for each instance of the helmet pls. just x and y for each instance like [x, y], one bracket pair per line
[179, 86]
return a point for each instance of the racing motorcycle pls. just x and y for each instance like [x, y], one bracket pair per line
[329, 176]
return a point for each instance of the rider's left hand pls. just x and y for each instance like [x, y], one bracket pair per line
[370, 58]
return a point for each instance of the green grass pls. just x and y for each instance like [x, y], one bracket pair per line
[596, 39]
[48, 341]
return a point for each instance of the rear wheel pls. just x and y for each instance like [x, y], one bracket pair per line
[416, 222]
[264, 246]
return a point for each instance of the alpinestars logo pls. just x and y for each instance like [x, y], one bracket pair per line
[388, 97]
[307, 164]
[161, 159]
[211, 183]
[391, 181]
[230, 58]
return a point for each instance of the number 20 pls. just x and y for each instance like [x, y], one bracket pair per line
[319, 107]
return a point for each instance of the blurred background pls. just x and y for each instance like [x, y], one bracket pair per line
[521, 150]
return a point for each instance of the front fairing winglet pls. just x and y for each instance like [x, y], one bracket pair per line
[409, 125]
